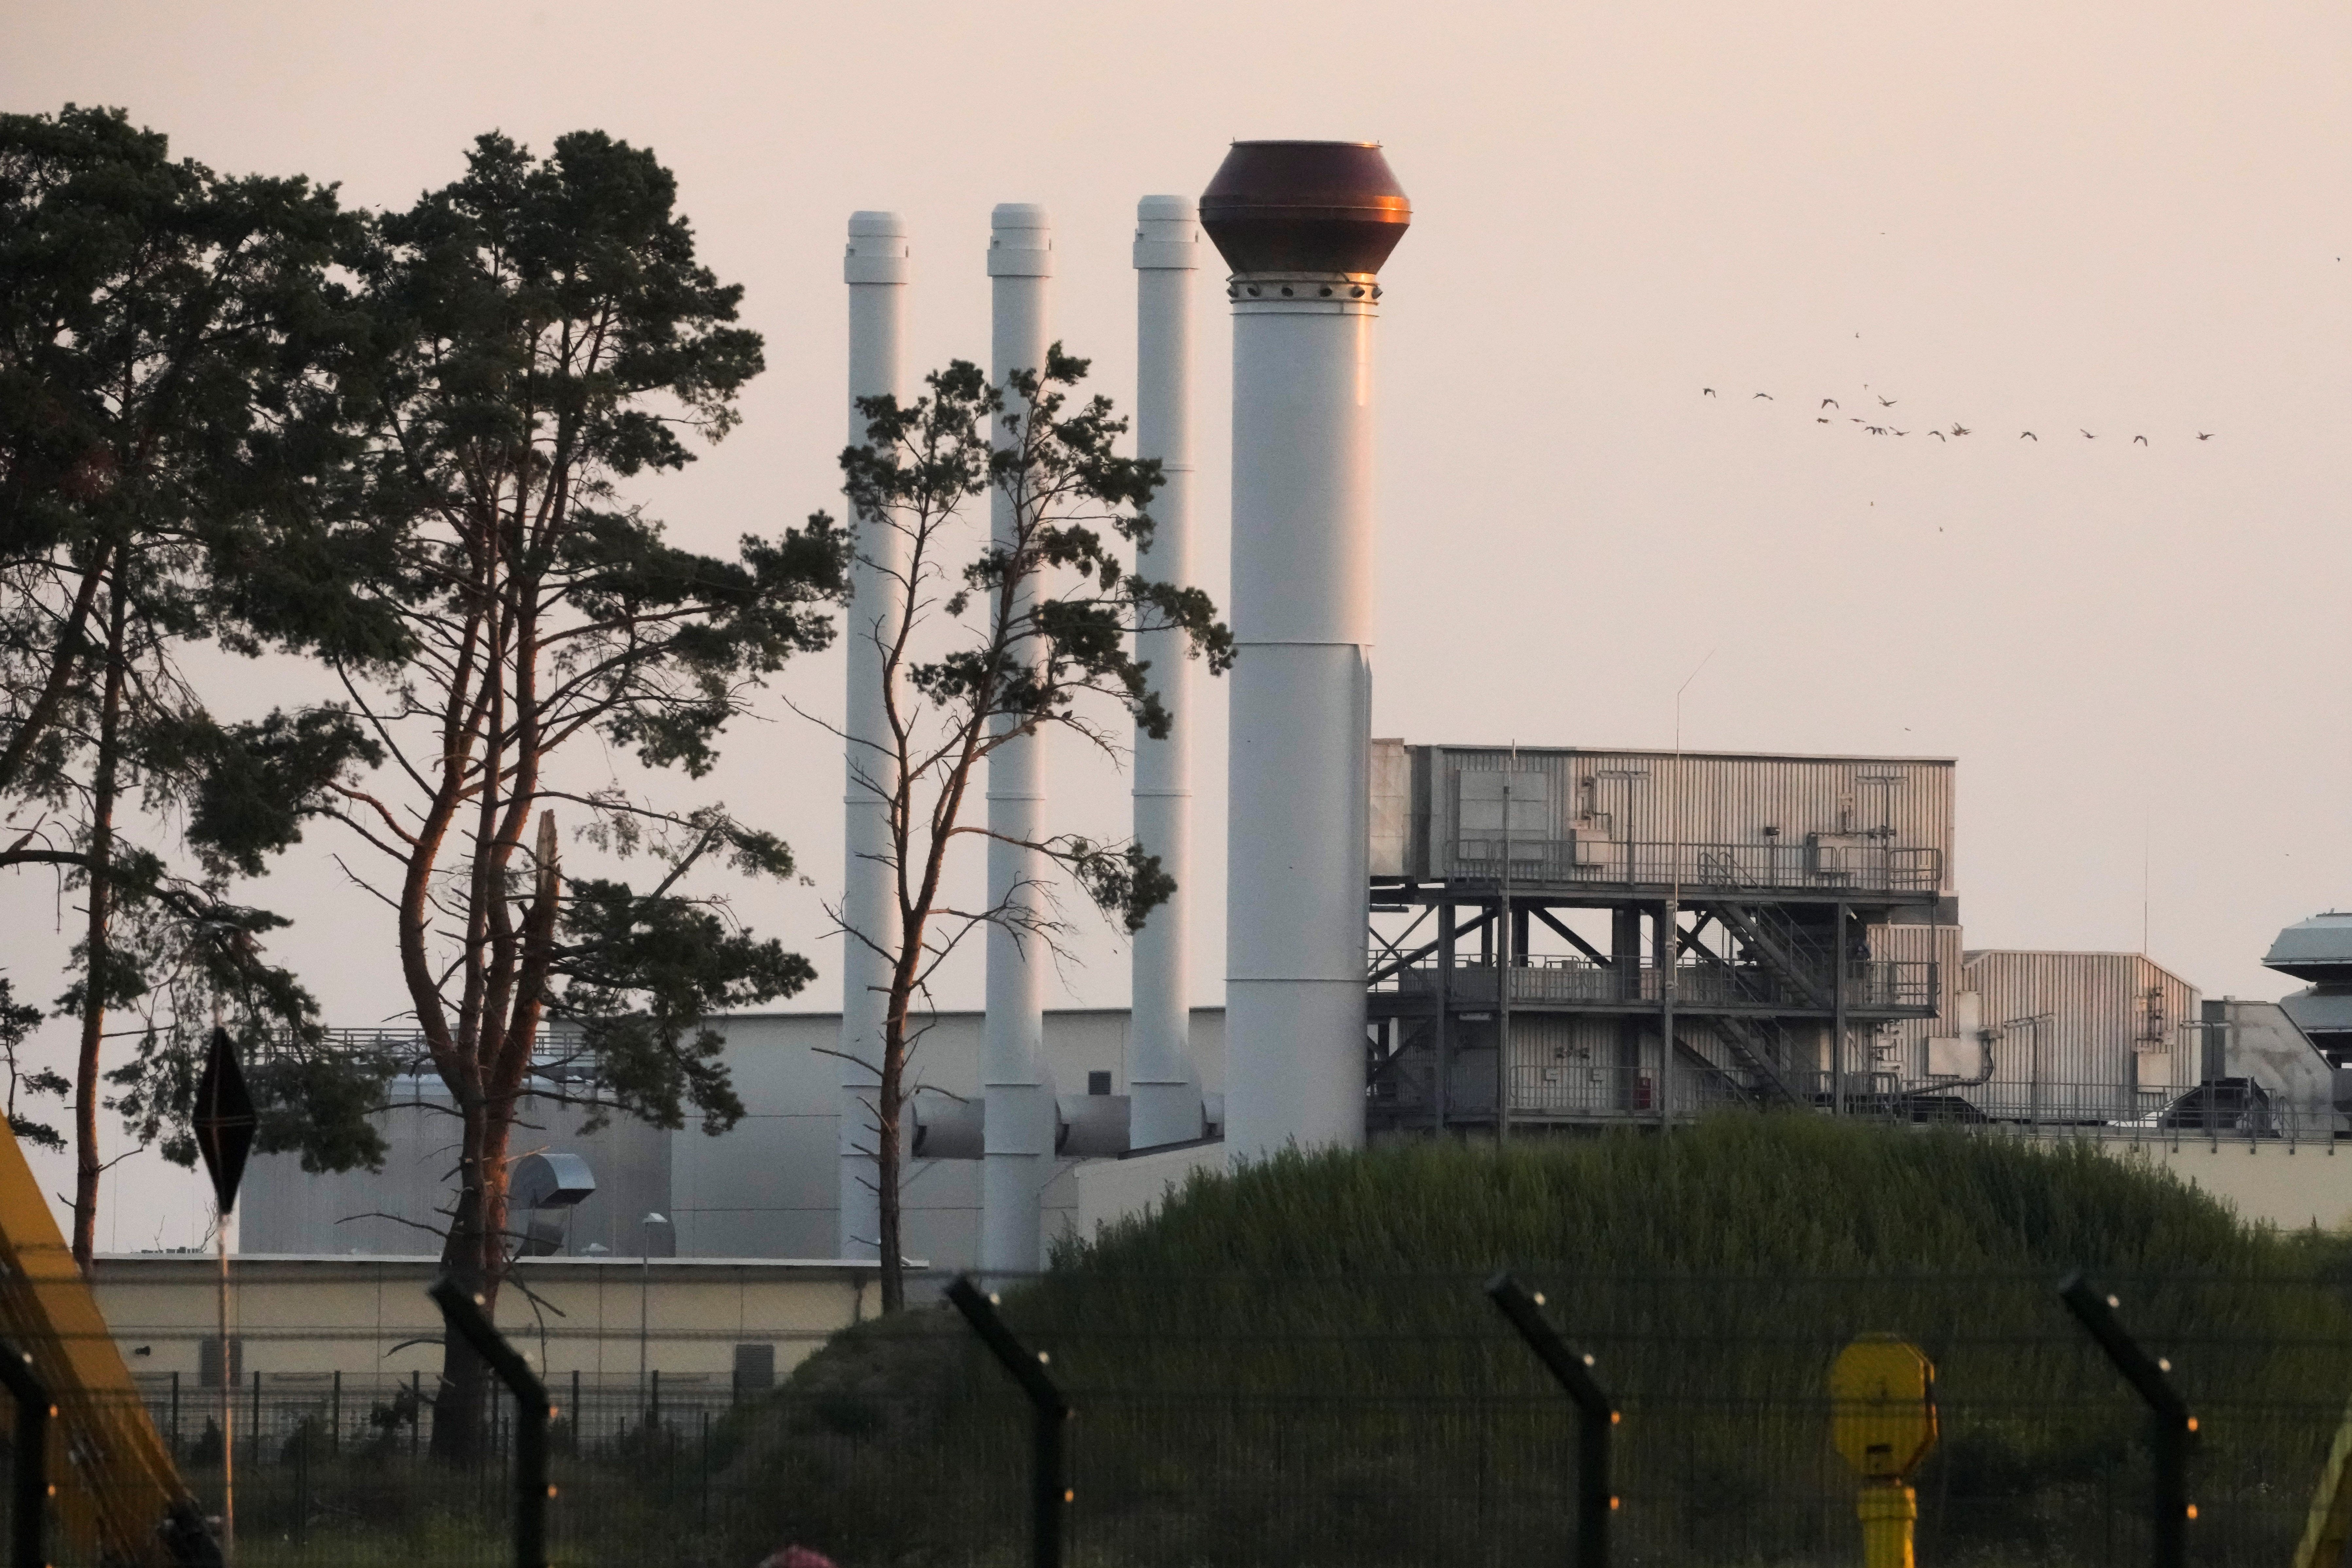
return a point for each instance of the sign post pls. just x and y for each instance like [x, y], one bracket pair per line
[225, 1125]
[1882, 1423]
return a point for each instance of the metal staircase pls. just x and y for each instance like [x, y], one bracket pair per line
[1755, 1049]
[1798, 955]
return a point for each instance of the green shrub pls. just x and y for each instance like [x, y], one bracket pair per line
[1295, 1363]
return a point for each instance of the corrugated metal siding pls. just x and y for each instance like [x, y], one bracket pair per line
[1391, 807]
[2114, 1047]
[1703, 798]
[1903, 1046]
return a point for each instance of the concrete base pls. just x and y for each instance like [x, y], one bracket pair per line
[1102, 1192]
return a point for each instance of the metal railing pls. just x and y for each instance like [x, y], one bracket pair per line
[1870, 865]
[2209, 1113]
[1873, 985]
[557, 1053]
[1583, 1091]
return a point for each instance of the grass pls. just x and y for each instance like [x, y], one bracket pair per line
[1295, 1364]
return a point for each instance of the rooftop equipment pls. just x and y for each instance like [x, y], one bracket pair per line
[2319, 950]
[545, 1188]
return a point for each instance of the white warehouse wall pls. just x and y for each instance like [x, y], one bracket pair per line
[766, 1189]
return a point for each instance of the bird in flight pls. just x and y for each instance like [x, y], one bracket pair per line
[1887, 402]
[1706, 391]
[2029, 435]
[1820, 419]
[1875, 430]
[1939, 435]
[1961, 429]
[2141, 440]
[1902, 432]
[1829, 403]
[1767, 397]
[2208, 435]
[2087, 435]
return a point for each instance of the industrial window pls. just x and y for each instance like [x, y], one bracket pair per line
[755, 1369]
[1097, 1083]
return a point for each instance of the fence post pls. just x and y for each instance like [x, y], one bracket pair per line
[466, 1319]
[30, 1505]
[1595, 1416]
[2173, 1428]
[1049, 1492]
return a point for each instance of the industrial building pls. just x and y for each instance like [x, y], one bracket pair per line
[765, 1190]
[1818, 964]
[1420, 938]
[1808, 901]
[1744, 907]
[1790, 923]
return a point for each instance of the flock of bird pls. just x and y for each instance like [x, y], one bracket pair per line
[1957, 431]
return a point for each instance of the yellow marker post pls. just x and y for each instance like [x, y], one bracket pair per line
[1882, 1423]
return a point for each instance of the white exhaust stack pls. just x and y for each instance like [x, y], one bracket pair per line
[876, 269]
[1016, 1087]
[1164, 1097]
[1305, 227]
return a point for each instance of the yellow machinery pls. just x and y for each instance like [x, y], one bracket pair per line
[2329, 1523]
[113, 1484]
[1883, 1422]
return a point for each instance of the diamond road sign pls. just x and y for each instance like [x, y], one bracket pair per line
[224, 1121]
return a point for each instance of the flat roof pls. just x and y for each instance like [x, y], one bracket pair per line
[1660, 751]
[946, 1013]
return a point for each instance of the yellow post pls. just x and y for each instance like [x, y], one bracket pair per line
[1882, 1423]
[1887, 1509]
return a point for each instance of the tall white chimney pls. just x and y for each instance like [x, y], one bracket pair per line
[876, 269]
[1016, 1089]
[1164, 1097]
[1305, 227]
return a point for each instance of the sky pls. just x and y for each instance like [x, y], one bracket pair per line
[2125, 220]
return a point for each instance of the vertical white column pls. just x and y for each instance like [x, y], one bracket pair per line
[1301, 694]
[1305, 227]
[1016, 1089]
[1164, 1096]
[876, 269]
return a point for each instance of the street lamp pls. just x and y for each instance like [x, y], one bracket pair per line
[645, 1295]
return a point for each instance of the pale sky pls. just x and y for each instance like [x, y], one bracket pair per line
[2128, 219]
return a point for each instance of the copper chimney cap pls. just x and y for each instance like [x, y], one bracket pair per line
[1304, 207]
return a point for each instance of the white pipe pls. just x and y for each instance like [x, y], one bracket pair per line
[1164, 1095]
[1304, 225]
[876, 269]
[1014, 1084]
[1301, 693]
